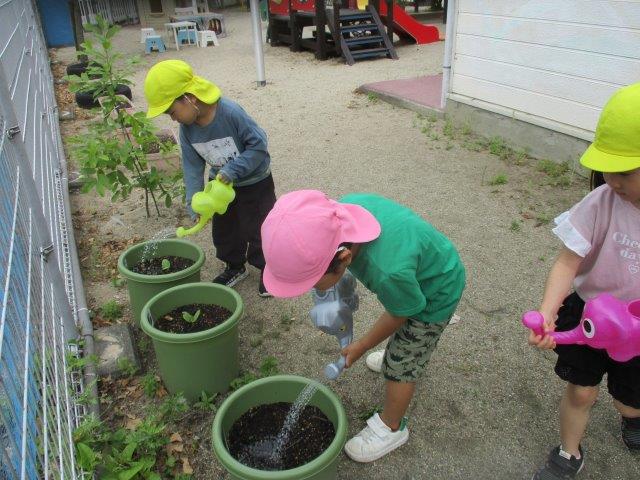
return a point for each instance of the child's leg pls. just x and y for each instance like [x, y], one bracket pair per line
[398, 395]
[256, 209]
[574, 415]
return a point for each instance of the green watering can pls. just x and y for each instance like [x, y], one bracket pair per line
[215, 198]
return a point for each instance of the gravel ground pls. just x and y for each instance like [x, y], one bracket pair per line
[487, 406]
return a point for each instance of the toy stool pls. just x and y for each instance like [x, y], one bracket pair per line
[216, 23]
[188, 36]
[146, 32]
[207, 36]
[154, 42]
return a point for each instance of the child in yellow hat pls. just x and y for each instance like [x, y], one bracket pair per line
[601, 254]
[216, 132]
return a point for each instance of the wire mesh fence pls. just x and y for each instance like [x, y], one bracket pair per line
[39, 317]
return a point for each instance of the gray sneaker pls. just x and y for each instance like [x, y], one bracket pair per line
[560, 466]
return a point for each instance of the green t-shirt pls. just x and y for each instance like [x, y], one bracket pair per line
[414, 270]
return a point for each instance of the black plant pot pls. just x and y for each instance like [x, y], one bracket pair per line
[79, 68]
[87, 100]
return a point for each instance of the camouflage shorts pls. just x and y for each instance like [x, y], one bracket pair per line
[410, 349]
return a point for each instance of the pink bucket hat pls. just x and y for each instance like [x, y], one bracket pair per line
[300, 237]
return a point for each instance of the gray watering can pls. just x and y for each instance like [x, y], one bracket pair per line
[333, 314]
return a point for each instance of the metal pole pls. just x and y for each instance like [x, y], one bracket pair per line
[257, 41]
[448, 51]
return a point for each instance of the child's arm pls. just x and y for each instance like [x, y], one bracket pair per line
[193, 171]
[386, 325]
[558, 285]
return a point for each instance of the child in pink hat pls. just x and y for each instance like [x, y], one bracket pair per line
[310, 240]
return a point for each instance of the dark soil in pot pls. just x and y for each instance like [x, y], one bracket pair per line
[252, 436]
[153, 266]
[210, 316]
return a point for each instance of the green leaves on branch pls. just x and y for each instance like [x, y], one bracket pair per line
[113, 153]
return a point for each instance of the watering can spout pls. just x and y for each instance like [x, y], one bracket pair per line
[215, 198]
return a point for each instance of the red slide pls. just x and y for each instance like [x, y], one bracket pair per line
[405, 26]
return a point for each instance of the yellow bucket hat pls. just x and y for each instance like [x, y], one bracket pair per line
[169, 79]
[616, 147]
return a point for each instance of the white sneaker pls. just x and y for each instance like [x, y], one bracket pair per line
[374, 360]
[375, 441]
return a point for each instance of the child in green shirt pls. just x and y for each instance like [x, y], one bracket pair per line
[415, 271]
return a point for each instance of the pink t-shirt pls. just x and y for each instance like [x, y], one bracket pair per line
[604, 229]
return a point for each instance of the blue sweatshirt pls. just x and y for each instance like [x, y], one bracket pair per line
[232, 144]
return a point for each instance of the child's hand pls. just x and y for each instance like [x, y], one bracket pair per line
[544, 342]
[353, 352]
[223, 178]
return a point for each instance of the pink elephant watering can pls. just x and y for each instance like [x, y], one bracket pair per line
[607, 323]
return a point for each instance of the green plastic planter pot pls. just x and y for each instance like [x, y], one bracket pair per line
[280, 388]
[194, 362]
[143, 287]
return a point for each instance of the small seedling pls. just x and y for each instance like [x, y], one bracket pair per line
[150, 385]
[553, 169]
[448, 129]
[206, 402]
[269, 367]
[173, 406]
[498, 180]
[111, 310]
[515, 226]
[466, 129]
[432, 118]
[126, 367]
[372, 97]
[187, 317]
[367, 412]
[166, 264]
[118, 282]
[543, 218]
[242, 380]
[497, 146]
[255, 341]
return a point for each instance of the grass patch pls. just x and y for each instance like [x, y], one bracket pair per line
[111, 310]
[500, 179]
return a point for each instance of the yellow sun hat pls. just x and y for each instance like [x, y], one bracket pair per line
[169, 79]
[616, 147]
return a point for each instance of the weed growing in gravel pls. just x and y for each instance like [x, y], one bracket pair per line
[111, 310]
[500, 179]
[268, 367]
[206, 402]
[373, 97]
[126, 367]
[150, 385]
[516, 226]
[366, 413]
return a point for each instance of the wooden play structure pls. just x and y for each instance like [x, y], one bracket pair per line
[353, 29]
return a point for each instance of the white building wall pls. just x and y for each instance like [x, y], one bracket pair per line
[553, 63]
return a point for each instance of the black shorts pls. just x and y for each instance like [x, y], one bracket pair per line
[585, 366]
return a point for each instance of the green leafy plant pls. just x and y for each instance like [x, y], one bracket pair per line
[111, 310]
[150, 385]
[187, 317]
[372, 97]
[268, 367]
[166, 264]
[123, 454]
[500, 179]
[173, 407]
[516, 226]
[206, 402]
[366, 413]
[126, 367]
[112, 153]
[118, 282]
[448, 130]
